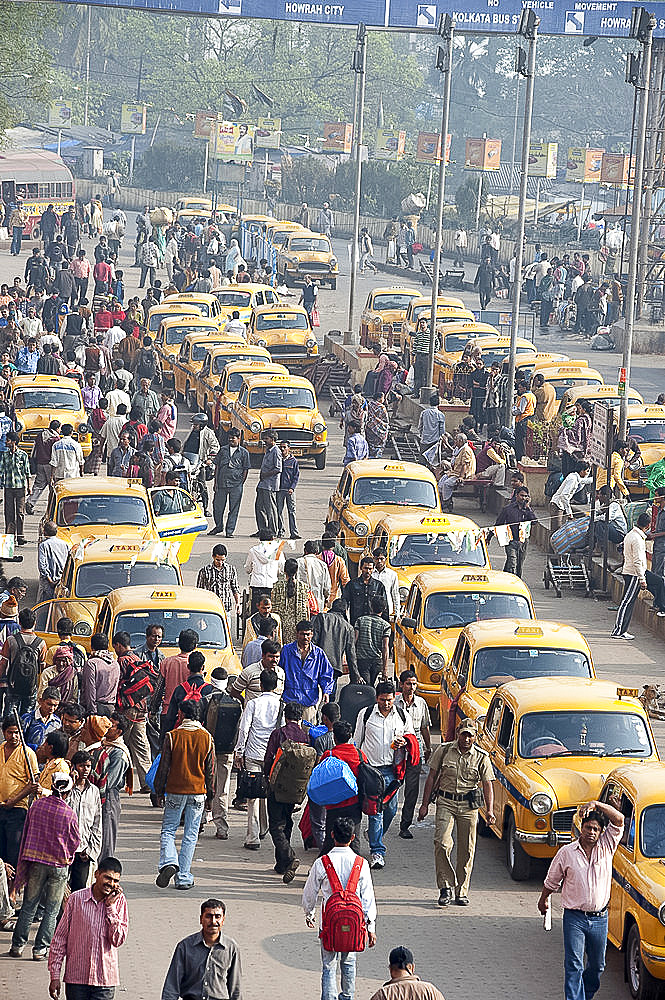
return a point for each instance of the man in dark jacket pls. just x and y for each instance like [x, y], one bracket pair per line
[36, 272]
[265, 507]
[280, 814]
[332, 633]
[358, 592]
[222, 721]
[232, 465]
[286, 494]
[71, 230]
[65, 283]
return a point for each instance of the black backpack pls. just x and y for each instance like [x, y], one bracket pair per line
[23, 672]
[146, 366]
[227, 723]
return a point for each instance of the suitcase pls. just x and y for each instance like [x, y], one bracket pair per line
[353, 698]
[570, 536]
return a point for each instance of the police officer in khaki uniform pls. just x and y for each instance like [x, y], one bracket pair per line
[457, 771]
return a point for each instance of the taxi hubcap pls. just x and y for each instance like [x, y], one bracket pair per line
[634, 965]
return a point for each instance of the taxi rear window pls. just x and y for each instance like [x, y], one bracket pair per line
[99, 579]
[457, 609]
[81, 511]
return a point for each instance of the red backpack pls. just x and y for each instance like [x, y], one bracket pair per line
[192, 693]
[343, 926]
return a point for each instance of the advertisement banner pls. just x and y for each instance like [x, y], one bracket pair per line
[133, 119]
[542, 159]
[268, 133]
[614, 169]
[482, 154]
[583, 165]
[428, 147]
[337, 137]
[204, 124]
[390, 143]
[60, 114]
[232, 142]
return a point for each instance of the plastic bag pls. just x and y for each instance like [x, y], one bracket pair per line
[316, 319]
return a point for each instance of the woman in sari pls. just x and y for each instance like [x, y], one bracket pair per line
[377, 426]
[356, 412]
[289, 600]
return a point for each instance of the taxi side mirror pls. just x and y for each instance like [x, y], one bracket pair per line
[508, 758]
[410, 623]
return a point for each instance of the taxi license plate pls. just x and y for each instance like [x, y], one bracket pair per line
[296, 451]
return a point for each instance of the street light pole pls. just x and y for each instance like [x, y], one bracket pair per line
[641, 27]
[359, 66]
[524, 66]
[444, 63]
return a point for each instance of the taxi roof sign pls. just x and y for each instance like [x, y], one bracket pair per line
[394, 467]
[434, 521]
[625, 692]
[163, 595]
[532, 630]
[475, 578]
[125, 548]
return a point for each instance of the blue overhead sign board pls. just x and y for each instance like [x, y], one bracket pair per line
[557, 17]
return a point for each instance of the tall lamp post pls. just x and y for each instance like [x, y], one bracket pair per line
[444, 63]
[641, 28]
[525, 65]
[358, 65]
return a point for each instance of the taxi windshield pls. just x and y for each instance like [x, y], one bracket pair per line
[311, 244]
[281, 397]
[200, 349]
[391, 300]
[176, 334]
[208, 625]
[221, 360]
[455, 341]
[98, 579]
[445, 548]
[397, 492]
[281, 321]
[78, 511]
[234, 299]
[193, 206]
[443, 313]
[202, 307]
[510, 663]
[652, 831]
[583, 733]
[647, 431]
[492, 355]
[156, 318]
[457, 609]
[561, 384]
[47, 399]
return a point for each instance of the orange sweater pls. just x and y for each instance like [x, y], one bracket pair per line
[187, 766]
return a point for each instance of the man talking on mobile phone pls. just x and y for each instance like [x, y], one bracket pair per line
[93, 926]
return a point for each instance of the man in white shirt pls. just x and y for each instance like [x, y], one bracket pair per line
[634, 574]
[257, 722]
[234, 327]
[31, 325]
[248, 682]
[561, 500]
[113, 337]
[314, 572]
[389, 579]
[342, 858]
[115, 397]
[66, 455]
[379, 732]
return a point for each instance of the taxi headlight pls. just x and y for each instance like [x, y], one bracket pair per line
[661, 913]
[262, 343]
[333, 261]
[376, 320]
[319, 427]
[19, 426]
[540, 803]
[310, 343]
[361, 529]
[255, 426]
[435, 661]
[82, 428]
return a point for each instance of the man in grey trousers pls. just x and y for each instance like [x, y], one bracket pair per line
[265, 506]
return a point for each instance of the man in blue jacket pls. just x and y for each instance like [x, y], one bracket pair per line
[308, 672]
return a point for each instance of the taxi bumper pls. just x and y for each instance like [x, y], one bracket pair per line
[551, 838]
[653, 957]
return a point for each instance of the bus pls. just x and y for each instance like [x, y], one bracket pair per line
[40, 178]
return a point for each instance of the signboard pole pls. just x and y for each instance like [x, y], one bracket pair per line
[478, 200]
[205, 167]
[359, 65]
[600, 452]
[59, 140]
[647, 41]
[444, 62]
[579, 221]
[530, 22]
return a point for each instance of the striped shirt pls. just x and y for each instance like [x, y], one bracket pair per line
[88, 936]
[50, 836]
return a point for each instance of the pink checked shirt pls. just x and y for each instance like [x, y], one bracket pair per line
[88, 937]
[585, 882]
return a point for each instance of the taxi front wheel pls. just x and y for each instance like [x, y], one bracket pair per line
[641, 983]
[518, 861]
[320, 460]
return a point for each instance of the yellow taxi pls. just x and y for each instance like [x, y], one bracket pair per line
[123, 510]
[646, 426]
[526, 365]
[205, 302]
[230, 384]
[636, 912]
[287, 404]
[450, 313]
[171, 335]
[492, 347]
[415, 543]
[552, 742]
[440, 603]
[277, 232]
[307, 253]
[286, 332]
[193, 349]
[96, 567]
[384, 314]
[131, 609]
[244, 298]
[599, 394]
[186, 210]
[488, 654]
[206, 382]
[370, 489]
[569, 375]
[36, 400]
[170, 308]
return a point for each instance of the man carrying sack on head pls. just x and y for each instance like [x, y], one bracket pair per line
[457, 770]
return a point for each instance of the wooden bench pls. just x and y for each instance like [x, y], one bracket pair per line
[477, 488]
